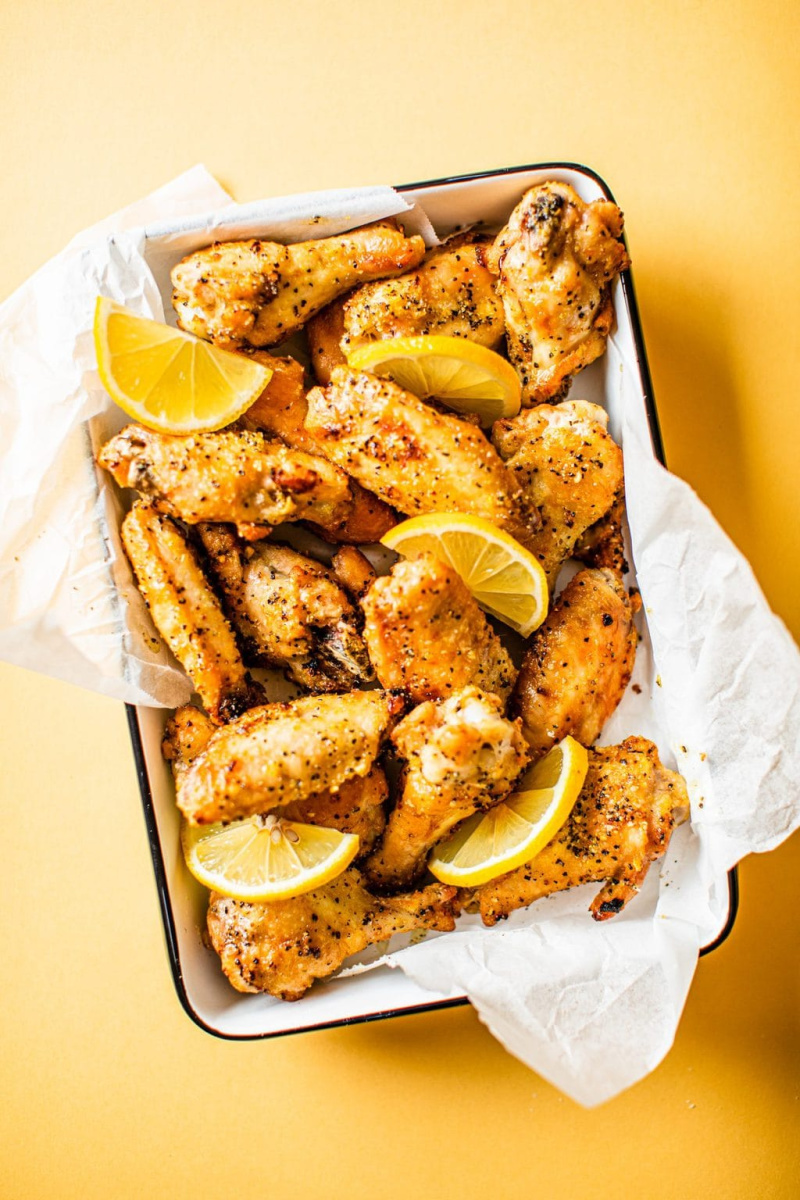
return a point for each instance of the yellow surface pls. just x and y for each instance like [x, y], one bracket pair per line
[691, 113]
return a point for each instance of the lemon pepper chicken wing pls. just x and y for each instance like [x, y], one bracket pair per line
[426, 634]
[556, 261]
[451, 293]
[414, 457]
[461, 755]
[578, 663]
[232, 476]
[290, 611]
[278, 754]
[569, 468]
[281, 410]
[257, 293]
[186, 612]
[283, 947]
[622, 821]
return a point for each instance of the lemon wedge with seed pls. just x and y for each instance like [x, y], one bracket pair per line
[169, 380]
[461, 374]
[505, 578]
[266, 858]
[514, 831]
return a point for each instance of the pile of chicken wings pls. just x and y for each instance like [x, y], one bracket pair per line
[402, 668]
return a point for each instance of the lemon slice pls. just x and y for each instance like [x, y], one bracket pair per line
[169, 380]
[460, 373]
[266, 858]
[505, 578]
[514, 831]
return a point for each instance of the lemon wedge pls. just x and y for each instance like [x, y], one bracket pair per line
[266, 858]
[461, 374]
[169, 380]
[505, 578]
[514, 831]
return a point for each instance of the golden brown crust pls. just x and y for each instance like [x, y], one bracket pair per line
[358, 807]
[325, 333]
[353, 570]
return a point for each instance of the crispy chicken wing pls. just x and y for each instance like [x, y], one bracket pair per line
[621, 822]
[426, 634]
[353, 570]
[232, 476]
[569, 468]
[281, 410]
[556, 261]
[257, 293]
[416, 458]
[186, 612]
[578, 663]
[461, 755]
[451, 293]
[284, 946]
[357, 807]
[289, 610]
[277, 754]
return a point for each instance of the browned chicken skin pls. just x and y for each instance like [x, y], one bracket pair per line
[556, 260]
[621, 822]
[278, 754]
[353, 570]
[233, 476]
[426, 634]
[187, 613]
[461, 755]
[451, 293]
[257, 293]
[283, 947]
[569, 468]
[289, 610]
[416, 458]
[578, 663]
[281, 410]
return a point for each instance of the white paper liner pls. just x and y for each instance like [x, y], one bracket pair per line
[592, 1007]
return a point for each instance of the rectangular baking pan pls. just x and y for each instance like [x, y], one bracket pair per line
[204, 993]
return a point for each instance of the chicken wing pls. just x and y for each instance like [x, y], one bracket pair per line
[603, 544]
[569, 469]
[413, 456]
[281, 410]
[358, 806]
[353, 570]
[556, 261]
[289, 610]
[461, 756]
[426, 634]
[578, 663]
[186, 612]
[231, 476]
[282, 947]
[452, 293]
[257, 293]
[277, 754]
[621, 822]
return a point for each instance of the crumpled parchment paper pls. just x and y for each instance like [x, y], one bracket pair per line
[592, 1007]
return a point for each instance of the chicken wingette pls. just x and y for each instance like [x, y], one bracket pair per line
[414, 457]
[622, 821]
[451, 293]
[187, 613]
[283, 947]
[569, 469]
[462, 755]
[426, 634]
[556, 261]
[289, 610]
[232, 476]
[280, 753]
[257, 293]
[578, 663]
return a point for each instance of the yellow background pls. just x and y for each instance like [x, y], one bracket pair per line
[690, 111]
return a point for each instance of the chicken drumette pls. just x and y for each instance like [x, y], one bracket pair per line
[556, 261]
[257, 293]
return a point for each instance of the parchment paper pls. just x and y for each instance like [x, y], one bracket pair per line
[592, 1007]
